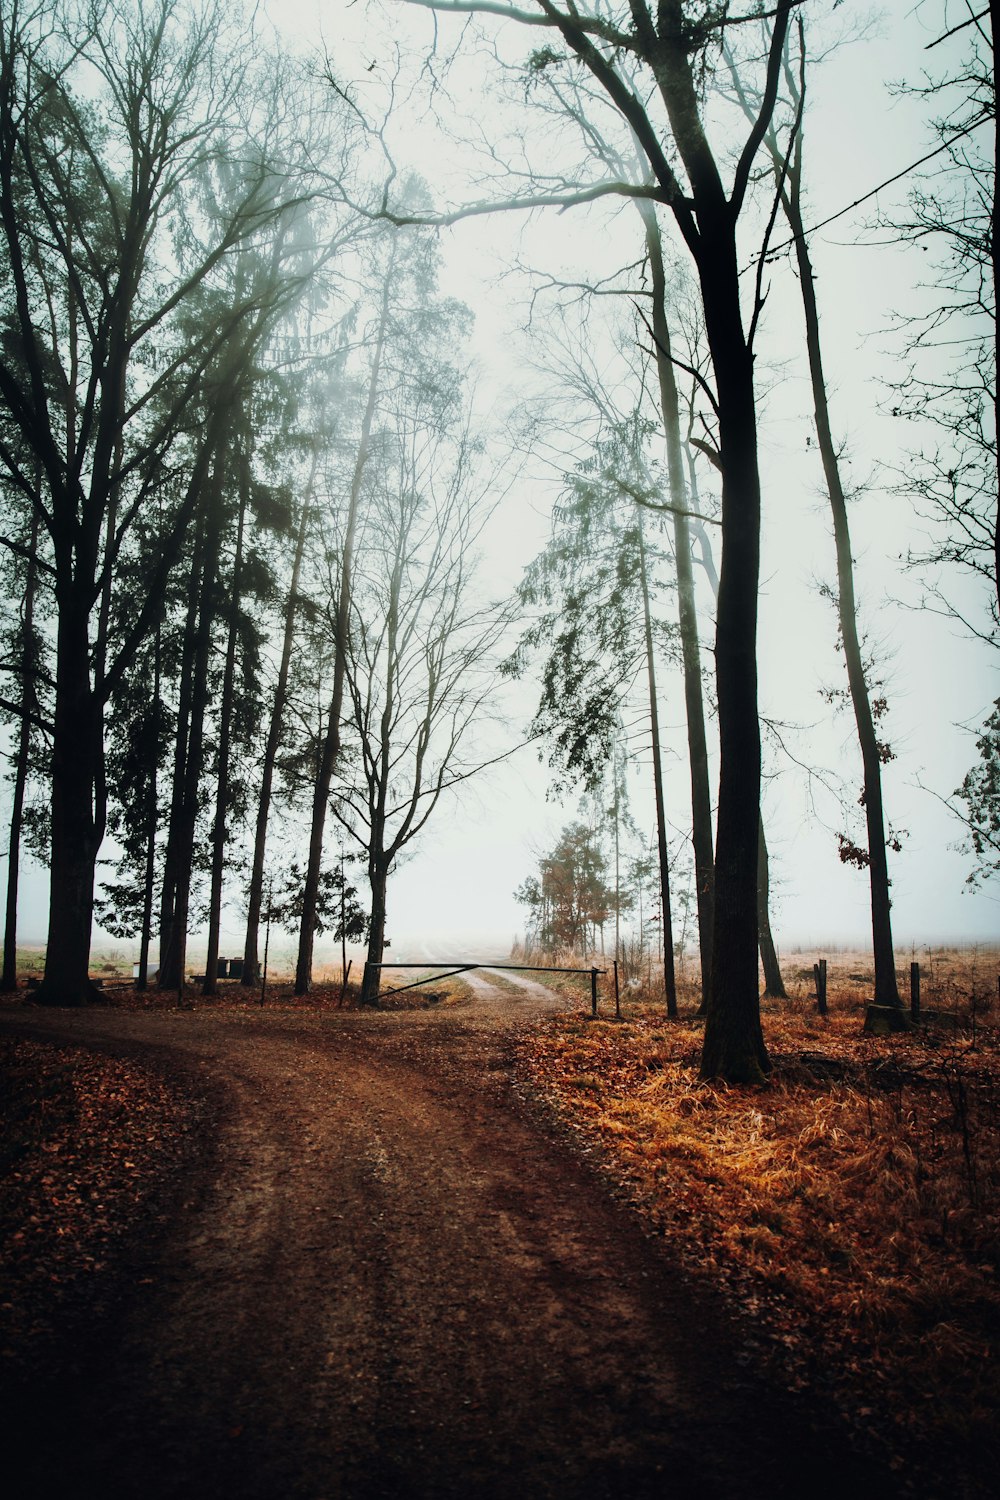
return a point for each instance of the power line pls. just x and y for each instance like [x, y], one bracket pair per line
[960, 27]
[967, 130]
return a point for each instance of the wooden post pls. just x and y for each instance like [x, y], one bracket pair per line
[819, 974]
[915, 991]
[593, 993]
[343, 931]
[618, 1003]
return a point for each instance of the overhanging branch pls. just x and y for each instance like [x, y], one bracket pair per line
[513, 205]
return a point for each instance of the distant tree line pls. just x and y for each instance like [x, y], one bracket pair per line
[240, 495]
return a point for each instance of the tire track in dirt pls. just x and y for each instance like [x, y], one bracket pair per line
[388, 1281]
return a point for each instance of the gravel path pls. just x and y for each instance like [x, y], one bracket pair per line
[385, 1277]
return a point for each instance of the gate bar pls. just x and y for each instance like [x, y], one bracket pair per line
[418, 982]
[463, 968]
[485, 964]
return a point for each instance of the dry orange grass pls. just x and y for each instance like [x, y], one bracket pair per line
[850, 1209]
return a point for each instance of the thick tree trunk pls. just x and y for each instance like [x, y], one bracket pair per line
[669, 980]
[707, 216]
[76, 835]
[210, 984]
[331, 740]
[371, 982]
[774, 985]
[701, 796]
[734, 1044]
[8, 979]
[251, 963]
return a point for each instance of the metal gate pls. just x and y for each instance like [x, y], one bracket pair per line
[452, 966]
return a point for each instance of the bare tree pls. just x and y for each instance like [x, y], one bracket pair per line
[330, 745]
[421, 648]
[788, 170]
[949, 389]
[666, 114]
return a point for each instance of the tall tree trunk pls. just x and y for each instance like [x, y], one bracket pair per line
[152, 818]
[379, 769]
[251, 962]
[618, 869]
[669, 981]
[8, 979]
[76, 833]
[734, 1044]
[331, 740]
[707, 216]
[210, 984]
[774, 985]
[886, 988]
[173, 964]
[701, 796]
[185, 691]
[378, 877]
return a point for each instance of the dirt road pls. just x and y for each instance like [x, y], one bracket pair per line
[384, 1277]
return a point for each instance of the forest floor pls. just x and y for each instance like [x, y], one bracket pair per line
[488, 1244]
[850, 1209]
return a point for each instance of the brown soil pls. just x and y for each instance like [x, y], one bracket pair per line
[381, 1274]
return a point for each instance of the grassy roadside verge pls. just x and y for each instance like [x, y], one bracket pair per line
[849, 1212]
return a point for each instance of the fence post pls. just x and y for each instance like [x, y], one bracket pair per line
[915, 991]
[819, 974]
[593, 993]
[618, 1003]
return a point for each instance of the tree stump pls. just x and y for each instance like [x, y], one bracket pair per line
[885, 1020]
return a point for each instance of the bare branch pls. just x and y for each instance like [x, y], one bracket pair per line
[592, 24]
[513, 205]
[688, 369]
[22, 551]
[953, 31]
[768, 99]
[22, 713]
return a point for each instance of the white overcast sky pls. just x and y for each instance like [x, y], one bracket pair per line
[456, 890]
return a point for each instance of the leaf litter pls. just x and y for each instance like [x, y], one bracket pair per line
[85, 1140]
[849, 1211]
